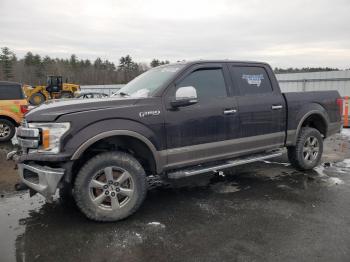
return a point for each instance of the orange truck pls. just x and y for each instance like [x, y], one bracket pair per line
[13, 106]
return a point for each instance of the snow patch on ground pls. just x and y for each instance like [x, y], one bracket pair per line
[270, 162]
[343, 165]
[331, 181]
[327, 175]
[346, 131]
[224, 188]
[282, 186]
[126, 240]
[207, 208]
[156, 224]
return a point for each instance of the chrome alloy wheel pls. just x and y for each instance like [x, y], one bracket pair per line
[311, 149]
[111, 188]
[5, 130]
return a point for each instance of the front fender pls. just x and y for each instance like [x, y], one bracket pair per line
[11, 115]
[76, 143]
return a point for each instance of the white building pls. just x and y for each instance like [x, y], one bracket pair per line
[317, 81]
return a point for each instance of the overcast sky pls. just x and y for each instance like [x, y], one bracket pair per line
[291, 33]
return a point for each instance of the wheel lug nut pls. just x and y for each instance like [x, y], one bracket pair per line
[113, 194]
[107, 192]
[105, 187]
[117, 189]
[110, 182]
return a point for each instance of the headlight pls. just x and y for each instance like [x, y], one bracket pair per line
[51, 134]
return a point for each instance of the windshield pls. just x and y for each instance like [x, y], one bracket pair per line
[149, 82]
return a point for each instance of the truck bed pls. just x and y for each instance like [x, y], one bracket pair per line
[300, 103]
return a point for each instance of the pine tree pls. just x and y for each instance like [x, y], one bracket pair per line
[7, 58]
[155, 63]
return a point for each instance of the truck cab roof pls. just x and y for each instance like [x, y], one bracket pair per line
[192, 62]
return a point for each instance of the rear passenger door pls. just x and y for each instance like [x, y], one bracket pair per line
[261, 107]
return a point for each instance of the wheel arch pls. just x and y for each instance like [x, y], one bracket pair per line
[316, 119]
[133, 140]
[10, 118]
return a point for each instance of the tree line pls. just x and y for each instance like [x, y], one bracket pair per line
[33, 69]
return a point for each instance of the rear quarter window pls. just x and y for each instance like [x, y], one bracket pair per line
[11, 92]
[251, 80]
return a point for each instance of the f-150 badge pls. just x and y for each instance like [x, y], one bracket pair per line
[149, 113]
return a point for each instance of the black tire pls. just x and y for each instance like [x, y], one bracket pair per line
[37, 99]
[95, 171]
[298, 156]
[7, 130]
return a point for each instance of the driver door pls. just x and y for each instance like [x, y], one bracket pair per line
[196, 132]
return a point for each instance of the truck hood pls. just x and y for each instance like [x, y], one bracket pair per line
[50, 111]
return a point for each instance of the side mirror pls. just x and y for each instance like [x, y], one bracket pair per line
[185, 96]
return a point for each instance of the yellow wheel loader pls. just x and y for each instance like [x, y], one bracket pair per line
[55, 89]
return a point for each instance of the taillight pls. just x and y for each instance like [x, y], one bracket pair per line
[24, 109]
[340, 104]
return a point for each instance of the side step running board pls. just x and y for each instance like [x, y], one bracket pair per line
[229, 163]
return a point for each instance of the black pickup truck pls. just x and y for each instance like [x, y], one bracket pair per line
[173, 121]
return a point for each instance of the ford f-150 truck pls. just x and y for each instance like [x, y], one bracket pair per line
[172, 121]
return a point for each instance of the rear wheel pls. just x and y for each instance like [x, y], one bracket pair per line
[37, 99]
[111, 186]
[307, 152]
[7, 130]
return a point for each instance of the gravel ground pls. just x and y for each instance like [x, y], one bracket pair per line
[266, 211]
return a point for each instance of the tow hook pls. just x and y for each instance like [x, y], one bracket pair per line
[21, 186]
[13, 155]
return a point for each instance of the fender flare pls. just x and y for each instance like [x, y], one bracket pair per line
[302, 120]
[158, 161]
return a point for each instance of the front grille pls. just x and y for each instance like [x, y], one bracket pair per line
[28, 143]
[28, 132]
[28, 137]
[30, 176]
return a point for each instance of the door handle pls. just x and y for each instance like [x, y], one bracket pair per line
[229, 111]
[276, 107]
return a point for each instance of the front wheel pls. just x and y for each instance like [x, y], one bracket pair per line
[110, 186]
[7, 130]
[307, 152]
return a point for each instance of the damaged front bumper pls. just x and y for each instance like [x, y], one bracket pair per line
[41, 179]
[41, 172]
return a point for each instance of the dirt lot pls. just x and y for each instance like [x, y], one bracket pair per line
[8, 174]
[267, 211]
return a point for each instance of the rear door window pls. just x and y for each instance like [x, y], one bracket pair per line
[251, 80]
[11, 92]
